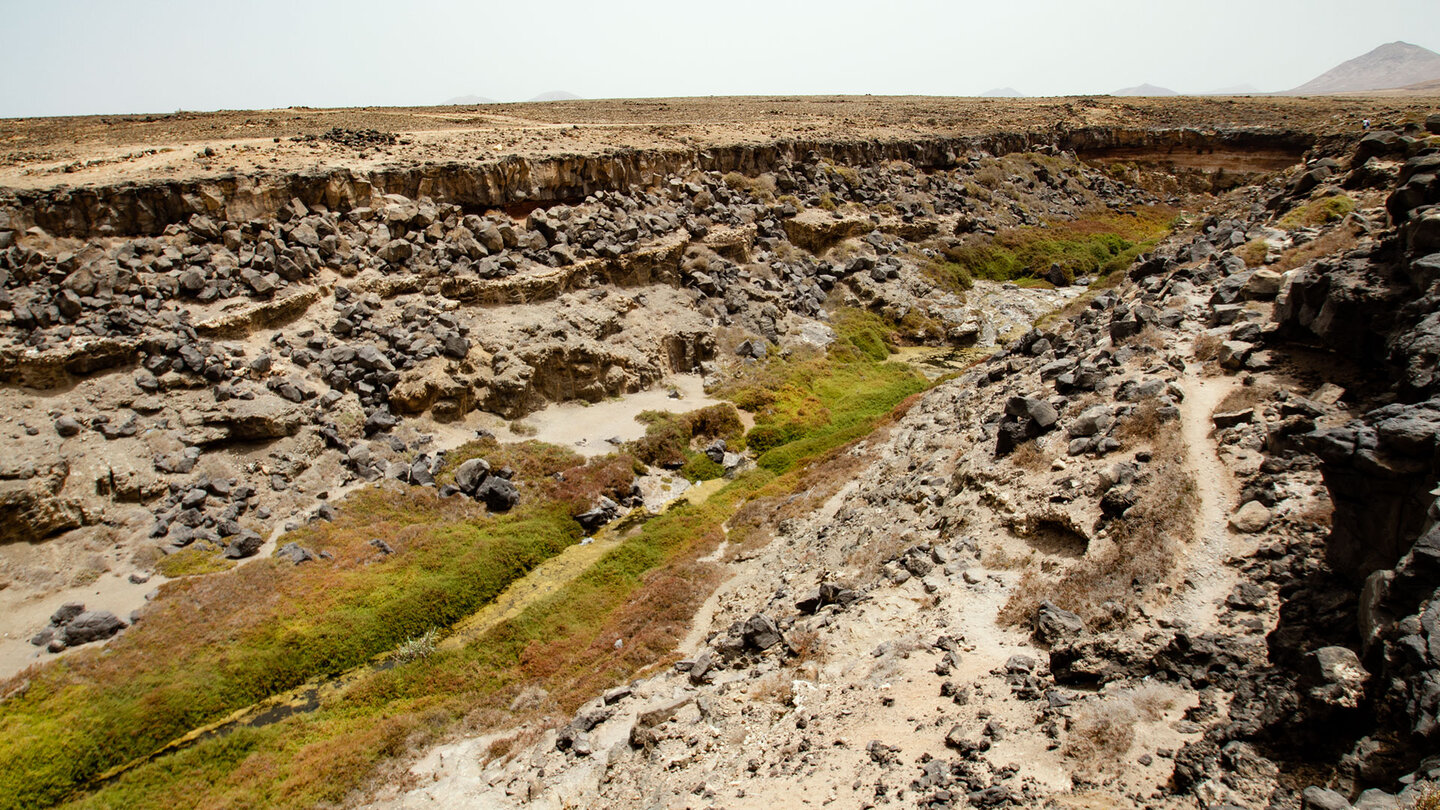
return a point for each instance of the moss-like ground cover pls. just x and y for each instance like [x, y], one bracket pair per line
[1098, 244]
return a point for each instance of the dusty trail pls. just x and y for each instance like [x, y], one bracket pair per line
[1209, 579]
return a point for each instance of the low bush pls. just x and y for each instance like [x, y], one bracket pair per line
[1254, 252]
[670, 439]
[1207, 347]
[1102, 731]
[188, 562]
[1107, 584]
[1097, 244]
[1318, 212]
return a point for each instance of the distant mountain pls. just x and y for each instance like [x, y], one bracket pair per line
[1002, 92]
[1234, 90]
[1145, 90]
[555, 95]
[470, 100]
[1396, 64]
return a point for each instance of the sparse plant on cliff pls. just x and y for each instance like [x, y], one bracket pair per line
[1429, 799]
[1254, 252]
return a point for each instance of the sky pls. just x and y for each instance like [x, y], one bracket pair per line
[74, 57]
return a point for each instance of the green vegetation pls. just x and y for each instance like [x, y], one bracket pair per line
[211, 645]
[643, 592]
[1318, 212]
[1098, 244]
[671, 440]
[192, 561]
[950, 276]
[806, 405]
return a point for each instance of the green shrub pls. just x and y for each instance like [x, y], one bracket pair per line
[805, 405]
[949, 275]
[669, 438]
[765, 437]
[192, 561]
[701, 468]
[1317, 212]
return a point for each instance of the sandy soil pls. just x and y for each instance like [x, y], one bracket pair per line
[94, 150]
[26, 613]
[587, 428]
[1210, 579]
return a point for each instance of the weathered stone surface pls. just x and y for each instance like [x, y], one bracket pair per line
[92, 625]
[761, 633]
[1336, 677]
[1250, 518]
[31, 509]
[498, 494]
[470, 473]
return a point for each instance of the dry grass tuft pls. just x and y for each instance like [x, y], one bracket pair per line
[1142, 425]
[1207, 347]
[1030, 456]
[501, 748]
[1254, 252]
[806, 646]
[1110, 581]
[1338, 240]
[777, 687]
[1149, 337]
[1102, 731]
[1246, 396]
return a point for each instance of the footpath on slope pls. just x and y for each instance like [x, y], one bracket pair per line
[1209, 578]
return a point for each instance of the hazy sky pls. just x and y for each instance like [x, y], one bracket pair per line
[64, 57]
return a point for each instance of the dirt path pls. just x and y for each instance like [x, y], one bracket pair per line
[1209, 579]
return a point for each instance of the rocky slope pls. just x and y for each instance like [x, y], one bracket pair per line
[1098, 569]
[210, 385]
